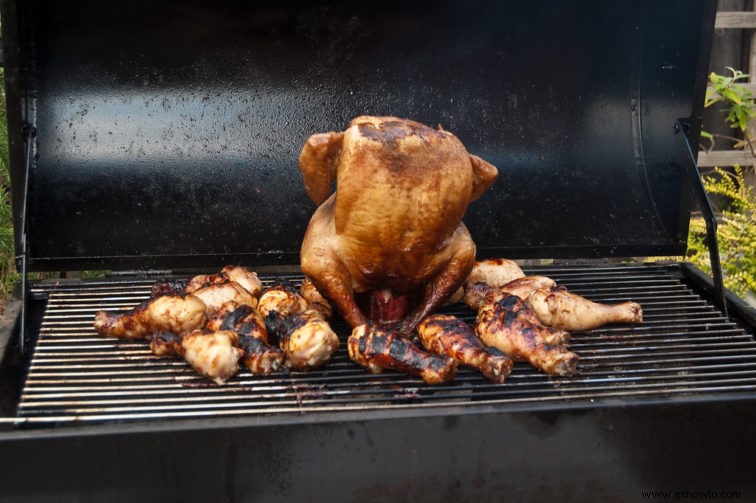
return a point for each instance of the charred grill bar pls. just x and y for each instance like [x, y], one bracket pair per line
[164, 136]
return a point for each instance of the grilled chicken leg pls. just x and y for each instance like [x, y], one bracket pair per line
[212, 353]
[378, 347]
[449, 336]
[510, 325]
[167, 313]
[259, 356]
[305, 338]
[556, 307]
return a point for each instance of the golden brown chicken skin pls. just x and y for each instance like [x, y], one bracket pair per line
[395, 220]
[446, 335]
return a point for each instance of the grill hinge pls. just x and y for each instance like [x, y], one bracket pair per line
[682, 129]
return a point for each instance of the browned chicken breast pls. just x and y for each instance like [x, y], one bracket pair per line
[556, 307]
[283, 299]
[169, 313]
[259, 356]
[510, 325]
[396, 224]
[305, 338]
[379, 347]
[212, 353]
[447, 335]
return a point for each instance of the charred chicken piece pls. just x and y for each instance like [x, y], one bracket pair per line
[315, 299]
[447, 335]
[396, 224]
[283, 299]
[167, 313]
[259, 356]
[381, 347]
[480, 293]
[305, 338]
[510, 325]
[556, 307]
[212, 353]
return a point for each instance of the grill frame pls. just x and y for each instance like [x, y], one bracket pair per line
[413, 398]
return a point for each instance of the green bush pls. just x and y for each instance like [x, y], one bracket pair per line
[736, 232]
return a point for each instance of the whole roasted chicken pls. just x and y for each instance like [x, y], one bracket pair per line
[394, 225]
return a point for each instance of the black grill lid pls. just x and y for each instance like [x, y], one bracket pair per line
[167, 133]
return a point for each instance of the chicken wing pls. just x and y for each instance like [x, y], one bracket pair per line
[169, 313]
[449, 336]
[510, 325]
[379, 347]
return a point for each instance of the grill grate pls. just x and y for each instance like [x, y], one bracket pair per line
[684, 348]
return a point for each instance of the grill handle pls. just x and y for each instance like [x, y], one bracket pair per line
[682, 129]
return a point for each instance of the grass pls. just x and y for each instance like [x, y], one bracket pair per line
[8, 274]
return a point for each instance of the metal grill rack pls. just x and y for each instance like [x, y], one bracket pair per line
[684, 349]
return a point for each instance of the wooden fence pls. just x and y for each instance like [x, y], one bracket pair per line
[736, 20]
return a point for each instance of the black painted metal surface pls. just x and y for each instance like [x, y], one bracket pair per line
[167, 133]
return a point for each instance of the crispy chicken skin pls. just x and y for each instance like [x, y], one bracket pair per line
[510, 325]
[382, 347]
[212, 353]
[168, 313]
[447, 335]
[395, 220]
[260, 357]
[305, 338]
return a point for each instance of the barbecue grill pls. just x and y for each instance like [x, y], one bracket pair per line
[161, 140]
